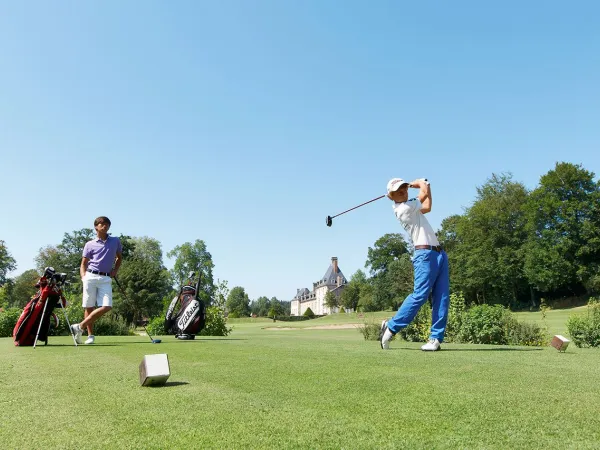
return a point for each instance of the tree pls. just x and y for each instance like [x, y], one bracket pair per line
[220, 294]
[23, 288]
[6, 293]
[366, 301]
[390, 289]
[7, 262]
[194, 258]
[350, 296]
[261, 306]
[563, 221]
[145, 285]
[485, 245]
[386, 249]
[275, 308]
[147, 248]
[331, 300]
[238, 303]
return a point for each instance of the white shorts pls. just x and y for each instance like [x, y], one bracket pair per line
[96, 289]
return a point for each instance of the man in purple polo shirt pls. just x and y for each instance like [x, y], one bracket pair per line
[97, 271]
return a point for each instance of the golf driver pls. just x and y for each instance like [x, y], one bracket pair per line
[330, 218]
[154, 341]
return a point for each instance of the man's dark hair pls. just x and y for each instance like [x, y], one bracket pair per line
[101, 219]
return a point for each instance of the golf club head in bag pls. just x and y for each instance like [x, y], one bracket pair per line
[186, 315]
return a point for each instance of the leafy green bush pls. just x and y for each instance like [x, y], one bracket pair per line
[111, 325]
[75, 315]
[156, 327]
[418, 330]
[456, 311]
[484, 324]
[234, 315]
[309, 313]
[216, 323]
[291, 318]
[585, 329]
[525, 333]
[8, 320]
[370, 330]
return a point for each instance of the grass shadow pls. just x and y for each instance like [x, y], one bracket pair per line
[170, 384]
[443, 349]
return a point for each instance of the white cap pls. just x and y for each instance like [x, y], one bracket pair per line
[394, 184]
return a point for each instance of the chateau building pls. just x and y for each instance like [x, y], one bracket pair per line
[333, 280]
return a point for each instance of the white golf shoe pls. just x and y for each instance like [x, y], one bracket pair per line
[77, 332]
[385, 336]
[90, 340]
[433, 345]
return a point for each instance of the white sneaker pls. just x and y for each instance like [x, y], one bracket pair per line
[385, 336]
[90, 339]
[433, 345]
[77, 332]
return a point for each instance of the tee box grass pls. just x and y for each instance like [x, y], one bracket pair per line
[297, 388]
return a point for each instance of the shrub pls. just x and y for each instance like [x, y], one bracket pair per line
[75, 315]
[111, 325]
[524, 333]
[585, 329]
[309, 313]
[484, 324]
[8, 320]
[418, 330]
[455, 316]
[370, 330]
[234, 315]
[291, 318]
[156, 327]
[216, 323]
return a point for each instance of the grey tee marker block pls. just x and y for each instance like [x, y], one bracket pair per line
[154, 370]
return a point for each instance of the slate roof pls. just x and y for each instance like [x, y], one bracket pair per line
[331, 278]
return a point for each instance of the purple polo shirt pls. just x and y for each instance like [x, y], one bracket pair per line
[101, 253]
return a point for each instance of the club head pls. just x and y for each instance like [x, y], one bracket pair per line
[329, 221]
[156, 341]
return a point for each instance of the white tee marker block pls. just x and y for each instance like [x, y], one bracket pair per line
[154, 370]
[560, 343]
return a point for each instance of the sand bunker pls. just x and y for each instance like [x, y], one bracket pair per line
[342, 326]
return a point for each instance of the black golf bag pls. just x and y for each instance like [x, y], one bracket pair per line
[38, 316]
[186, 315]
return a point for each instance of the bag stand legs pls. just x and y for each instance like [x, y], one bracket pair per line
[40, 325]
[62, 306]
[67, 319]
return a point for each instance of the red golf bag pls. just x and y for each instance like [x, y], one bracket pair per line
[186, 315]
[38, 315]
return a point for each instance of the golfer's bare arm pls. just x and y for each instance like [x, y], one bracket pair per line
[83, 267]
[424, 195]
[118, 262]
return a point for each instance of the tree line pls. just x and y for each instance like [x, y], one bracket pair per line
[147, 285]
[512, 246]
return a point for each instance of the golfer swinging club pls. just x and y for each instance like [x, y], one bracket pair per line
[430, 264]
[96, 272]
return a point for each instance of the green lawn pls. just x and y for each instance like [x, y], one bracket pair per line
[556, 319]
[298, 388]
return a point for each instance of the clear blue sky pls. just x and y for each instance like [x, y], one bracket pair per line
[246, 123]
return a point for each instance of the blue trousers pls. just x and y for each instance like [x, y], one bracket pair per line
[431, 277]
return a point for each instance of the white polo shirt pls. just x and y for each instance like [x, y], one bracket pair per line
[415, 223]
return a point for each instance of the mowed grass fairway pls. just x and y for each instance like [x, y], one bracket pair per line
[297, 388]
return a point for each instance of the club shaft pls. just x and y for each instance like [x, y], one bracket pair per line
[362, 204]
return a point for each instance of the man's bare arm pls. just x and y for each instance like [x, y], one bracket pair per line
[83, 266]
[118, 262]
[424, 195]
